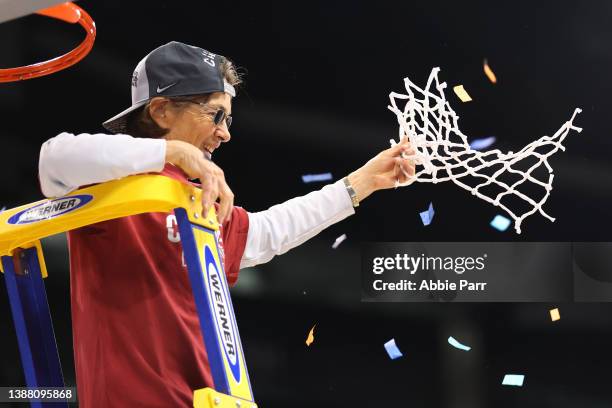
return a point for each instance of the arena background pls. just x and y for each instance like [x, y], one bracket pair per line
[318, 75]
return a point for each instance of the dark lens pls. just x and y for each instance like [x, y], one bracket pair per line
[219, 116]
[228, 121]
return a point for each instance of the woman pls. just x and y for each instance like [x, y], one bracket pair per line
[137, 340]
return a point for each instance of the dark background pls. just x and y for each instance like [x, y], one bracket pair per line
[318, 75]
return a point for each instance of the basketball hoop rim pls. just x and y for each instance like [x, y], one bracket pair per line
[64, 61]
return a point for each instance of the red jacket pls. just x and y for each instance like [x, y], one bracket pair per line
[136, 334]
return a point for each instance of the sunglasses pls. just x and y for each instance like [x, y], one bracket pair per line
[218, 114]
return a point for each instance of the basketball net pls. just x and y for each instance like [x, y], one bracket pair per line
[444, 154]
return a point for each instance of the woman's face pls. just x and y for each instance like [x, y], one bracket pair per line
[194, 123]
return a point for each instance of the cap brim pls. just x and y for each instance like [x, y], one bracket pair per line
[118, 123]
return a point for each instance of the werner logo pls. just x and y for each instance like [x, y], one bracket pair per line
[222, 312]
[50, 209]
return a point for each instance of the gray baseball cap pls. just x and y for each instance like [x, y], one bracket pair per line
[174, 69]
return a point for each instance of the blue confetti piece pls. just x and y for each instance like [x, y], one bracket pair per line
[456, 344]
[392, 349]
[427, 216]
[500, 223]
[479, 144]
[309, 178]
[513, 379]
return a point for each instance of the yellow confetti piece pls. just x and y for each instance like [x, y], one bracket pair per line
[462, 93]
[310, 338]
[489, 72]
[554, 315]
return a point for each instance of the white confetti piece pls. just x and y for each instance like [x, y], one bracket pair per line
[500, 223]
[513, 379]
[456, 344]
[309, 178]
[479, 144]
[338, 241]
[427, 215]
[392, 349]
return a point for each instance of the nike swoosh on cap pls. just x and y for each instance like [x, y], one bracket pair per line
[160, 90]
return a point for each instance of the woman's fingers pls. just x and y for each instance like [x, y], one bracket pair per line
[226, 202]
[398, 148]
[212, 180]
[404, 169]
[210, 191]
[409, 167]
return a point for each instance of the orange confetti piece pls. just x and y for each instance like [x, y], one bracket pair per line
[554, 315]
[462, 93]
[310, 338]
[489, 72]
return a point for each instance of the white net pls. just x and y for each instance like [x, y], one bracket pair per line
[442, 153]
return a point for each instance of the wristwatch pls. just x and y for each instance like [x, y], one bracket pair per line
[351, 192]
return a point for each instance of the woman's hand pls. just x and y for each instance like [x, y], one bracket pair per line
[192, 161]
[384, 170]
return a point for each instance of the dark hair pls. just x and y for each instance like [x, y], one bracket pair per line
[140, 123]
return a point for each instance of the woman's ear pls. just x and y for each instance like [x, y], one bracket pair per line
[159, 109]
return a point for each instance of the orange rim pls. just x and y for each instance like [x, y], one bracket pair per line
[70, 13]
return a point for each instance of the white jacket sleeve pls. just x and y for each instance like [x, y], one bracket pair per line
[284, 226]
[69, 161]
